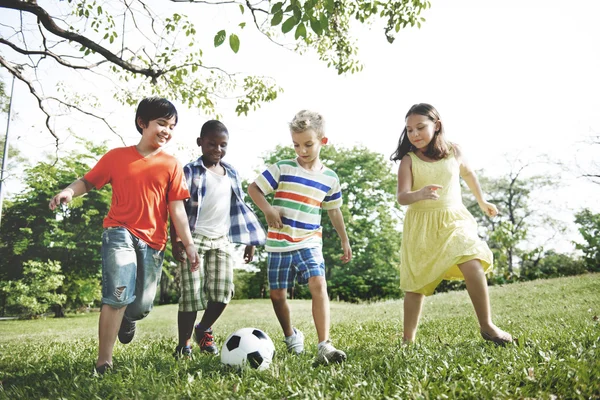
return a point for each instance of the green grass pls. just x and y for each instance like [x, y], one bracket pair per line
[557, 352]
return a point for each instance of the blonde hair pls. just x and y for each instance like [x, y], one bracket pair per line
[305, 120]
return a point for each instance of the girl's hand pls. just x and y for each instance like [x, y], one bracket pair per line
[429, 192]
[488, 209]
[273, 218]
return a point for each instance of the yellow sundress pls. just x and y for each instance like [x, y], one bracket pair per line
[438, 234]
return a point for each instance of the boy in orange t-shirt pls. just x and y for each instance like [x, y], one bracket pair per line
[147, 186]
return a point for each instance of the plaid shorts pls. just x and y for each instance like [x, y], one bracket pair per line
[287, 266]
[213, 281]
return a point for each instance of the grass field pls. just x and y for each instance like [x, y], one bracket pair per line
[557, 354]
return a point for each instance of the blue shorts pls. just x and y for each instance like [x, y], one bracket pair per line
[287, 266]
[130, 272]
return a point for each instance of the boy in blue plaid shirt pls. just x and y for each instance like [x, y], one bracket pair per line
[217, 216]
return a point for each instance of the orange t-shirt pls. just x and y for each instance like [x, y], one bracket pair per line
[141, 190]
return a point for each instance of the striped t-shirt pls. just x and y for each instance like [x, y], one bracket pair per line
[300, 195]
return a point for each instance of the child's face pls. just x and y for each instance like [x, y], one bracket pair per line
[307, 145]
[158, 132]
[214, 147]
[420, 130]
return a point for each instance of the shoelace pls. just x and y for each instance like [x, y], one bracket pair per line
[207, 339]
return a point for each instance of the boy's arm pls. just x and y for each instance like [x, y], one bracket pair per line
[176, 244]
[248, 254]
[77, 188]
[182, 229]
[271, 214]
[337, 220]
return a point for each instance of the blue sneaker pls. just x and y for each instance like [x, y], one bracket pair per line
[183, 352]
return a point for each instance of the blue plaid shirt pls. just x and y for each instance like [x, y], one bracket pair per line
[245, 227]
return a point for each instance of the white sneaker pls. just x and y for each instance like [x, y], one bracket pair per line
[329, 354]
[295, 343]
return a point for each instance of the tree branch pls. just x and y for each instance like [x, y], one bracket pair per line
[17, 74]
[50, 54]
[47, 21]
[88, 114]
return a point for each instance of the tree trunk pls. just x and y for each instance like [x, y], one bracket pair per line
[59, 311]
[164, 289]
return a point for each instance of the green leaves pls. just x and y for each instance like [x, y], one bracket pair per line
[234, 40]
[220, 38]
[234, 43]
[289, 24]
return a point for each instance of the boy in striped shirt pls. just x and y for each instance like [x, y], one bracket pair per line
[303, 187]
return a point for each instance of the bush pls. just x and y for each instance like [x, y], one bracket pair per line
[35, 293]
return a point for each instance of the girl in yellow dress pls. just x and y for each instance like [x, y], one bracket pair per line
[439, 240]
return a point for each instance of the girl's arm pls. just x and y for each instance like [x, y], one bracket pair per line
[470, 178]
[77, 188]
[404, 195]
[337, 220]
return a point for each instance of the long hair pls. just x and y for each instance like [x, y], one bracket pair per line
[436, 149]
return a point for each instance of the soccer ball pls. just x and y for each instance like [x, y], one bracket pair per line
[248, 346]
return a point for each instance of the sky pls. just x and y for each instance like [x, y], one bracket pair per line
[512, 80]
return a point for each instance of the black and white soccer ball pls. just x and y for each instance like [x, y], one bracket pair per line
[248, 347]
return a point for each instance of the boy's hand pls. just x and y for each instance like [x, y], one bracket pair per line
[65, 196]
[248, 254]
[178, 250]
[192, 255]
[488, 209]
[273, 218]
[429, 192]
[347, 256]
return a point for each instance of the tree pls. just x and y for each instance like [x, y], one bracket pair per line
[590, 231]
[518, 214]
[36, 291]
[72, 237]
[156, 49]
[372, 221]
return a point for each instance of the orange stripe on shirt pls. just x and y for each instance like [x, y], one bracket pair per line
[297, 197]
[288, 238]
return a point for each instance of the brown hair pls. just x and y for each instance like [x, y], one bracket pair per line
[436, 149]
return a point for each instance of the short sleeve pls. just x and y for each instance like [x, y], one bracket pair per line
[178, 187]
[100, 174]
[268, 181]
[333, 199]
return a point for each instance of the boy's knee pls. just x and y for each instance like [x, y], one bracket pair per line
[278, 295]
[317, 283]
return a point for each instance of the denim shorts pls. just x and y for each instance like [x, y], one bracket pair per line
[288, 266]
[130, 272]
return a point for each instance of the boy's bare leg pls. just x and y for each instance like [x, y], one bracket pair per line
[185, 326]
[211, 314]
[413, 304]
[478, 292]
[108, 328]
[320, 306]
[282, 310]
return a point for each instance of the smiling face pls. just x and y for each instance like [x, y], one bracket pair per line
[158, 132]
[420, 130]
[214, 147]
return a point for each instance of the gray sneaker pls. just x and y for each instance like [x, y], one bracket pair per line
[329, 354]
[295, 344]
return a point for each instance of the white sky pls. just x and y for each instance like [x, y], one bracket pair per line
[509, 78]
